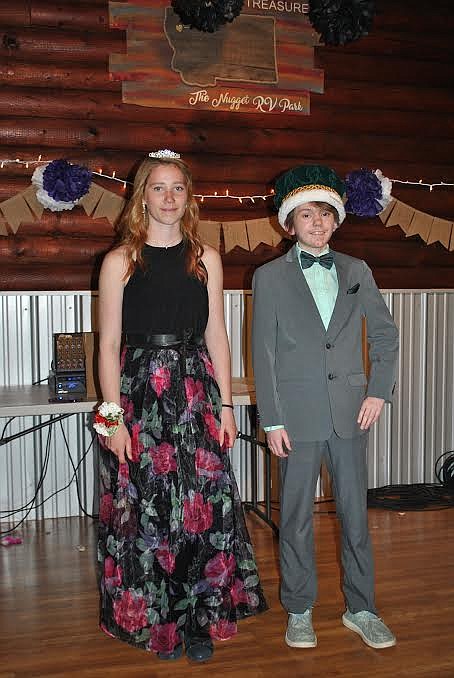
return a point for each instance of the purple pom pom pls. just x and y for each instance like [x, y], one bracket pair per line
[65, 182]
[363, 193]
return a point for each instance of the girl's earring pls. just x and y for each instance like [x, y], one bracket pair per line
[144, 208]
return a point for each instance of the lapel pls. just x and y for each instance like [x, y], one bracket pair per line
[342, 304]
[296, 281]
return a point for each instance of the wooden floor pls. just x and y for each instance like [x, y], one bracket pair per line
[48, 608]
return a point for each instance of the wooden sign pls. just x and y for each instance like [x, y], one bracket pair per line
[261, 62]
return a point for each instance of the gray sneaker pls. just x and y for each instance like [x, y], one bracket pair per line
[300, 632]
[371, 628]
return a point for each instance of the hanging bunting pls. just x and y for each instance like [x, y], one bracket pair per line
[32, 201]
[235, 235]
[265, 231]
[59, 185]
[414, 222]
[110, 206]
[421, 224]
[440, 232]
[210, 233]
[16, 211]
[91, 199]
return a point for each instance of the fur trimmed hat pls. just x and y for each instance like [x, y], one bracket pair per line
[308, 183]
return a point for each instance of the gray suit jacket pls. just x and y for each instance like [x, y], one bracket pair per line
[310, 379]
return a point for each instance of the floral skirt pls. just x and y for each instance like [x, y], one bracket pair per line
[174, 552]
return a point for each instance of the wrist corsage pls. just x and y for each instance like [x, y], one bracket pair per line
[108, 418]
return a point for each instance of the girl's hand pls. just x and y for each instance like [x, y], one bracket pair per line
[119, 443]
[228, 430]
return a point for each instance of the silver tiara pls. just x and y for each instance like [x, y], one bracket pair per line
[164, 153]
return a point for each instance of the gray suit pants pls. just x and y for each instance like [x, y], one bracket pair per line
[346, 462]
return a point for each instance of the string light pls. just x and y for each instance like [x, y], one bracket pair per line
[421, 183]
[225, 195]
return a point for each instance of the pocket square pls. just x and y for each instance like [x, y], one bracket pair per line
[354, 289]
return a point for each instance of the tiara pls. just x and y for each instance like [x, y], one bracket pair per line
[164, 153]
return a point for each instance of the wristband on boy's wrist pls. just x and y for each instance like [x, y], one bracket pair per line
[108, 419]
[226, 405]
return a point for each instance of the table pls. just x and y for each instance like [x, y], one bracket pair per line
[23, 401]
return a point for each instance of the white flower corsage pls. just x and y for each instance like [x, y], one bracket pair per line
[108, 419]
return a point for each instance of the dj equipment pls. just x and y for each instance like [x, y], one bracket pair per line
[74, 374]
[69, 376]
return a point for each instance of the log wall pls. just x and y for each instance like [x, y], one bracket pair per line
[388, 104]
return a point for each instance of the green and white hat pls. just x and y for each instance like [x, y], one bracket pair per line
[308, 183]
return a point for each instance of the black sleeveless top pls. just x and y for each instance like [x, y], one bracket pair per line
[163, 298]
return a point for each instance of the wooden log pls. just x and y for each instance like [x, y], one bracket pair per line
[391, 70]
[47, 276]
[405, 18]
[53, 75]
[90, 16]
[415, 278]
[45, 45]
[45, 248]
[79, 228]
[427, 46]
[137, 136]
[340, 93]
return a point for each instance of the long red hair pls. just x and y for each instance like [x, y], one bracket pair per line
[133, 227]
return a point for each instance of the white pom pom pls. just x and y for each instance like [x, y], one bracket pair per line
[386, 188]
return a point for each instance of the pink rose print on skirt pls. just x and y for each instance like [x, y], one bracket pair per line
[166, 559]
[220, 569]
[164, 637]
[160, 380]
[123, 475]
[237, 593]
[112, 573]
[105, 508]
[211, 425]
[136, 444]
[223, 630]
[130, 611]
[197, 516]
[194, 392]
[208, 464]
[163, 458]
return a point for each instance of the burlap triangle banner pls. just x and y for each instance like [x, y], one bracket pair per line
[440, 232]
[210, 233]
[235, 235]
[401, 215]
[90, 200]
[421, 224]
[32, 201]
[16, 211]
[110, 206]
[265, 231]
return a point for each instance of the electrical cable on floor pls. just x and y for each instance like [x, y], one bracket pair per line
[31, 504]
[419, 496]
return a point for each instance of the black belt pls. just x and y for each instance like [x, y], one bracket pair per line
[185, 338]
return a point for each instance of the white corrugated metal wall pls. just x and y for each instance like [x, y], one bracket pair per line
[403, 446]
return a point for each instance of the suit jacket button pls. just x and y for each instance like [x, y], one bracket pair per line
[328, 345]
[330, 376]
